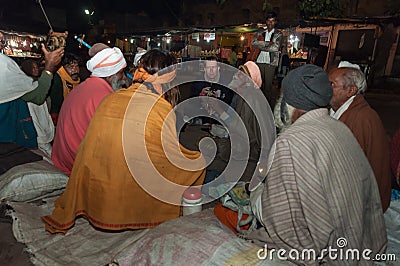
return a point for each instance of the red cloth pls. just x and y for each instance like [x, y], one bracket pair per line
[54, 118]
[75, 115]
[229, 217]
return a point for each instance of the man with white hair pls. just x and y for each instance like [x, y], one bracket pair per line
[107, 67]
[320, 189]
[140, 52]
[349, 106]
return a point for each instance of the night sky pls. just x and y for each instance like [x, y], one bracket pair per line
[26, 14]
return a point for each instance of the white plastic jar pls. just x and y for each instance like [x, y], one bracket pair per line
[191, 201]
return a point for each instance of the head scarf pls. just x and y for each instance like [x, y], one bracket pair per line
[348, 64]
[14, 82]
[140, 75]
[251, 69]
[106, 62]
[155, 81]
[67, 81]
[307, 88]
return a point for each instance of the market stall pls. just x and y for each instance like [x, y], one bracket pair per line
[307, 45]
[20, 44]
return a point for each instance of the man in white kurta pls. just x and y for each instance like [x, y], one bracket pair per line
[320, 189]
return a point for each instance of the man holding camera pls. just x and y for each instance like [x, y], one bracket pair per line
[17, 89]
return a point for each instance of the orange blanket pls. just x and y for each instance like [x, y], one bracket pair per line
[229, 218]
[101, 186]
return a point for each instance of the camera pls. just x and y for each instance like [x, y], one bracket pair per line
[56, 40]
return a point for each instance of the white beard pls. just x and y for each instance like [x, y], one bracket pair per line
[116, 83]
[283, 120]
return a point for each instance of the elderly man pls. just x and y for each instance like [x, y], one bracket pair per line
[107, 67]
[350, 107]
[320, 189]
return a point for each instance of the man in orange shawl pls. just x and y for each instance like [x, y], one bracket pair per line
[66, 78]
[129, 171]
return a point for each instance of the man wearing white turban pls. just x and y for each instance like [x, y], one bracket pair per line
[107, 67]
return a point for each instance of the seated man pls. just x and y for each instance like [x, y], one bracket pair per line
[40, 113]
[17, 89]
[320, 186]
[350, 107]
[66, 78]
[212, 82]
[107, 68]
[128, 172]
[31, 68]
[245, 103]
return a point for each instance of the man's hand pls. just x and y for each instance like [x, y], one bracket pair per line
[52, 59]
[216, 106]
[207, 92]
[204, 91]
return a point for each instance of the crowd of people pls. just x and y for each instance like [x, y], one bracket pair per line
[330, 175]
[102, 186]
[107, 68]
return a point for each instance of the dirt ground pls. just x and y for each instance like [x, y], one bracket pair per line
[11, 252]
